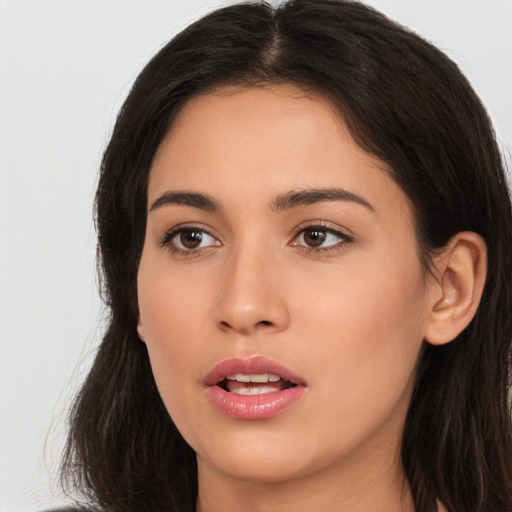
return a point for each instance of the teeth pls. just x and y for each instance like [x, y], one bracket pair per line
[257, 377]
[257, 390]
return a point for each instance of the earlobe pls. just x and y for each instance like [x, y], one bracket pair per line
[140, 329]
[460, 272]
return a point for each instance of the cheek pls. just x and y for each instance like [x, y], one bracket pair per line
[172, 303]
[362, 339]
[368, 325]
[173, 313]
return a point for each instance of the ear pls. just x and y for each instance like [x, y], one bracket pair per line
[140, 329]
[460, 272]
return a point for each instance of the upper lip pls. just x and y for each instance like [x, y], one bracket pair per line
[250, 365]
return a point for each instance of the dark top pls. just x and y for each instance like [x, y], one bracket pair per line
[72, 509]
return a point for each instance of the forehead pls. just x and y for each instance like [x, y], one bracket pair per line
[276, 116]
[261, 142]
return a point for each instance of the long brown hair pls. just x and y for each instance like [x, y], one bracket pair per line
[406, 103]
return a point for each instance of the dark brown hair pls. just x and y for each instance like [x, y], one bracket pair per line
[406, 103]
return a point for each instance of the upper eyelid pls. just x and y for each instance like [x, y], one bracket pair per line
[191, 226]
[327, 226]
[168, 234]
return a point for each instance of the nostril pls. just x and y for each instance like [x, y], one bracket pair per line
[241, 327]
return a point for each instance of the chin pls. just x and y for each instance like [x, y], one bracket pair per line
[254, 467]
[260, 454]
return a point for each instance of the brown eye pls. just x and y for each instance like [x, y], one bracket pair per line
[318, 237]
[314, 237]
[190, 239]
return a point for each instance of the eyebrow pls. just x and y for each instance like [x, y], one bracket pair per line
[282, 202]
[194, 199]
[311, 196]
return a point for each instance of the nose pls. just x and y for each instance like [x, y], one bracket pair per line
[251, 297]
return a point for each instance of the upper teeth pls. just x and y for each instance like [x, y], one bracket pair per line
[256, 377]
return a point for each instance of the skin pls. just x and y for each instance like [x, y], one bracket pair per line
[349, 316]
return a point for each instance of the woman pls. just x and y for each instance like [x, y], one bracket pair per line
[304, 237]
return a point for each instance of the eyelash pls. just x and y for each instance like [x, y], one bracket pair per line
[166, 240]
[344, 239]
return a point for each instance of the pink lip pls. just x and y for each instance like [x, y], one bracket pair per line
[254, 407]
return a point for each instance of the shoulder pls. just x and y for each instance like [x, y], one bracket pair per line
[72, 509]
[65, 509]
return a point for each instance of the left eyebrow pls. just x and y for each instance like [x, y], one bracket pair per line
[311, 196]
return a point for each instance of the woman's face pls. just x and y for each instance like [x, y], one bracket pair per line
[277, 251]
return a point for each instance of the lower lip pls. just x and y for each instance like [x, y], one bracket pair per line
[254, 407]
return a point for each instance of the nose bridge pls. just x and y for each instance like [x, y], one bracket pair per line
[250, 298]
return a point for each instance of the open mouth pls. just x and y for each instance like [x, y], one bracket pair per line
[254, 384]
[253, 388]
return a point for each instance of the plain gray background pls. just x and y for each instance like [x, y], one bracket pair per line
[65, 67]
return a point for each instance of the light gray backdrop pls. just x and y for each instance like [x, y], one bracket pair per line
[65, 67]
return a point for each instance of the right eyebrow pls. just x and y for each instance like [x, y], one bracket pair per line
[194, 199]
